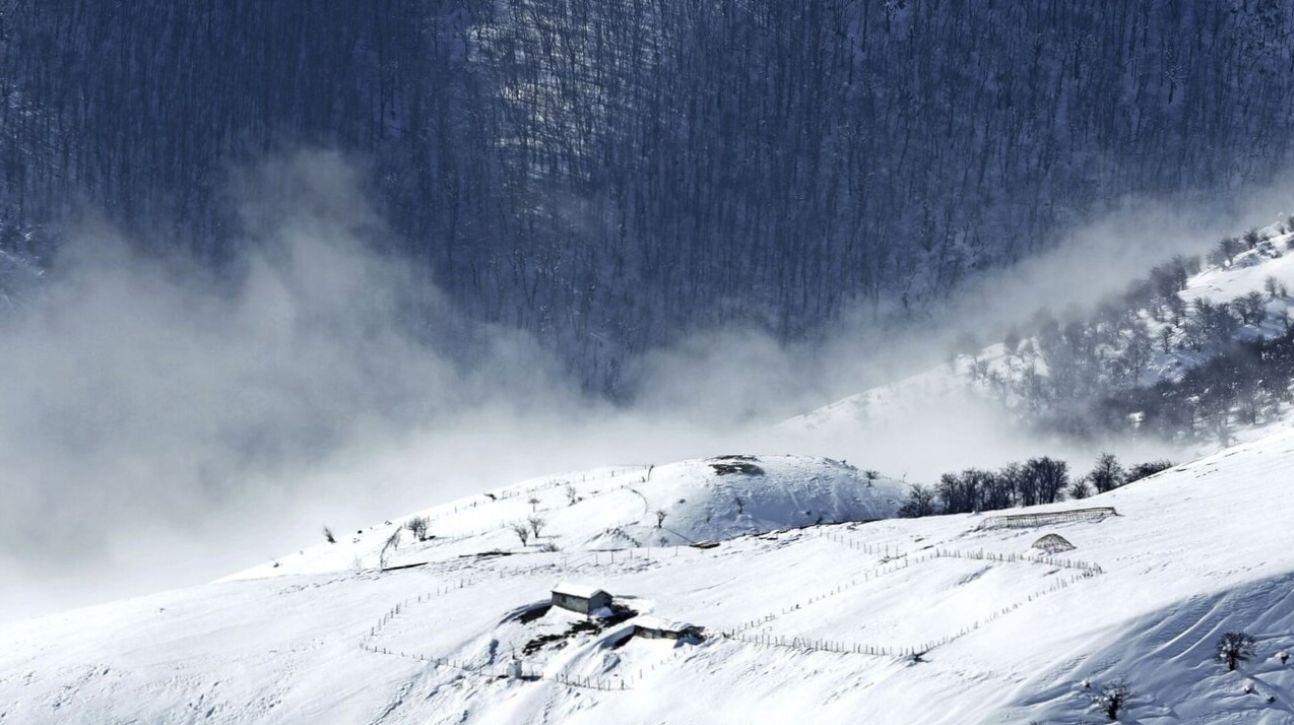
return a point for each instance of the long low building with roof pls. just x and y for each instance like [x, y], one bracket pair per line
[655, 627]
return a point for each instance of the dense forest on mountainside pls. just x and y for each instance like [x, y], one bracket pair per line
[609, 174]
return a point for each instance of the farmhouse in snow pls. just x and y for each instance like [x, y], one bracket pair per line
[649, 627]
[580, 598]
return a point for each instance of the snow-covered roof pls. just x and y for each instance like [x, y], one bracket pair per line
[583, 591]
[662, 624]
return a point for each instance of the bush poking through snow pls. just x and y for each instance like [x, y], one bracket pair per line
[536, 525]
[418, 527]
[1079, 490]
[1149, 468]
[1112, 699]
[522, 532]
[328, 536]
[1234, 648]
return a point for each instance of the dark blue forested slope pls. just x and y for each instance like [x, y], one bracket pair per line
[609, 173]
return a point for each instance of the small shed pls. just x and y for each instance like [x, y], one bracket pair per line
[1053, 544]
[580, 598]
[649, 627]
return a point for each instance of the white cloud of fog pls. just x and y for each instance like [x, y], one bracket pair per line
[1091, 261]
[160, 427]
[143, 403]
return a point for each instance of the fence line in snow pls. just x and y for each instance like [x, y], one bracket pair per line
[1047, 518]
[976, 555]
[812, 644]
[899, 561]
[487, 671]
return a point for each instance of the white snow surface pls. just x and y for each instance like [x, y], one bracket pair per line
[614, 507]
[808, 624]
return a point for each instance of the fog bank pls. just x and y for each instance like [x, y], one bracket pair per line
[161, 425]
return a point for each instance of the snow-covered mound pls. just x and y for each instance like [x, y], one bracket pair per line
[678, 503]
[951, 619]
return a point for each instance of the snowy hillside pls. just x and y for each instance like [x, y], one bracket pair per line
[614, 508]
[1133, 341]
[821, 623]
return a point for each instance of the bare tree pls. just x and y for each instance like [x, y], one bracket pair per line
[871, 477]
[1273, 287]
[329, 535]
[534, 503]
[1166, 339]
[522, 533]
[536, 525]
[418, 527]
[921, 502]
[660, 517]
[1107, 474]
[1047, 477]
[1234, 648]
[970, 490]
[1079, 489]
[1251, 308]
[571, 496]
[392, 543]
[1112, 699]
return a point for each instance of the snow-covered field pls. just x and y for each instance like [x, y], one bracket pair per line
[803, 622]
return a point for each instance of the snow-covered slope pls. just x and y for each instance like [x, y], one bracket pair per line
[617, 507]
[992, 373]
[809, 624]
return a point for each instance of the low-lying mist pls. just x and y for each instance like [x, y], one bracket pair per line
[161, 425]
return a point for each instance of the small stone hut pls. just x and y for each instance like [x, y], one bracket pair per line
[580, 598]
[650, 627]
